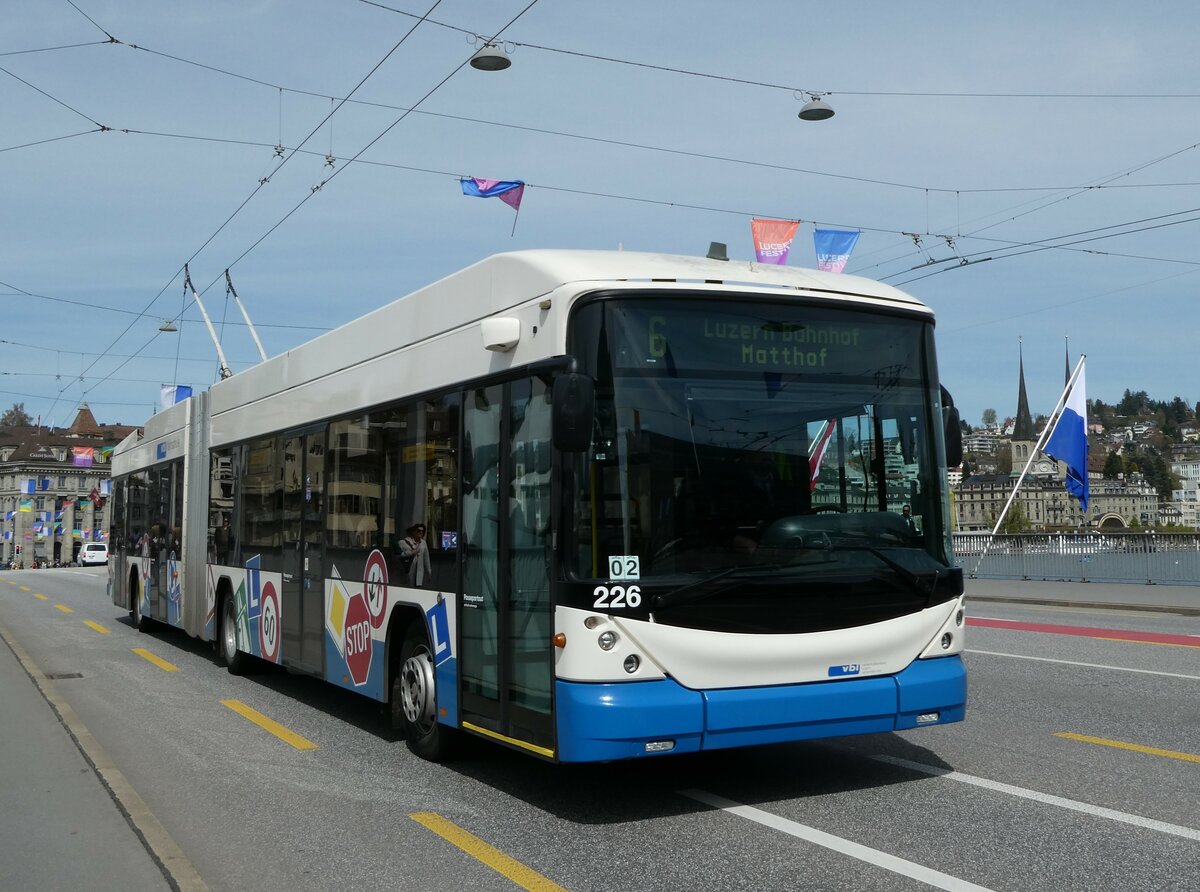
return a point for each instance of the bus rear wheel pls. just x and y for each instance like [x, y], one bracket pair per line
[414, 698]
[234, 659]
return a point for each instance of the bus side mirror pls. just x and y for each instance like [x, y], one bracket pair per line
[574, 404]
[953, 437]
[952, 425]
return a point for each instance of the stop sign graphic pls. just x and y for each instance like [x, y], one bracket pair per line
[358, 640]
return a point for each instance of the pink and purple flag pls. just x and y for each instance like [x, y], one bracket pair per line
[509, 191]
[773, 239]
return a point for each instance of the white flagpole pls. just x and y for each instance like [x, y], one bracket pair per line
[1051, 423]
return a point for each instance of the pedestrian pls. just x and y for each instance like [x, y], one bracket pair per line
[414, 551]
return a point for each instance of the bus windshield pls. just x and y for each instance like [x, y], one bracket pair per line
[742, 447]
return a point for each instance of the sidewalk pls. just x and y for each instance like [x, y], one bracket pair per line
[59, 827]
[1181, 599]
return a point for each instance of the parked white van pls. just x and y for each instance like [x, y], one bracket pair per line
[92, 553]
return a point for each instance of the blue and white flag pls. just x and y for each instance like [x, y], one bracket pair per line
[28, 487]
[1068, 440]
[833, 248]
[174, 393]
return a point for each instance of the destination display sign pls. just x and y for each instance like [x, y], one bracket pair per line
[765, 337]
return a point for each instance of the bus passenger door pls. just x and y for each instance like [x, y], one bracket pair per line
[303, 525]
[507, 619]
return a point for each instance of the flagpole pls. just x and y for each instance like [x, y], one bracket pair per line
[1051, 423]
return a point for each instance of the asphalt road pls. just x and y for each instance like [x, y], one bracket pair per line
[998, 802]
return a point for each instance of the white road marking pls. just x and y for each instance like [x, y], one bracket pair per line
[993, 653]
[910, 869]
[1071, 804]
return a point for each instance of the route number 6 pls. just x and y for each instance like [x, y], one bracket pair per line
[615, 597]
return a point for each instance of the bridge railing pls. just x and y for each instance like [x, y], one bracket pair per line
[1167, 558]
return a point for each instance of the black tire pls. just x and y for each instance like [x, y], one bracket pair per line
[414, 698]
[235, 660]
[139, 622]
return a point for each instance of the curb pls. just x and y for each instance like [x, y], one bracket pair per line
[1093, 605]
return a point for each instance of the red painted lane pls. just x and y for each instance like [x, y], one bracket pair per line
[1088, 632]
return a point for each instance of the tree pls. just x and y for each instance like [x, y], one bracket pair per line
[1004, 463]
[989, 417]
[1114, 466]
[1134, 404]
[16, 417]
[1015, 520]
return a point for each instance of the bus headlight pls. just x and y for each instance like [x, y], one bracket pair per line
[607, 640]
[632, 662]
[958, 617]
[947, 640]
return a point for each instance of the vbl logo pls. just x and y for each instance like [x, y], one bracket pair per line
[845, 669]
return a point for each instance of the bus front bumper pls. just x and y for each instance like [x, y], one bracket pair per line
[601, 722]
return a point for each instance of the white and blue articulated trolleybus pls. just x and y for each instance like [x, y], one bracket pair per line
[592, 505]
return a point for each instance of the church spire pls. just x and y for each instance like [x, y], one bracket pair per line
[1023, 430]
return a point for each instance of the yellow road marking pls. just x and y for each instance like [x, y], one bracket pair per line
[1136, 747]
[289, 737]
[514, 870]
[40, 596]
[99, 628]
[1159, 643]
[23, 588]
[64, 608]
[157, 661]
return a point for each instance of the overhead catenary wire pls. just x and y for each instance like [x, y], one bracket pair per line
[265, 235]
[625, 143]
[255, 191]
[792, 87]
[878, 229]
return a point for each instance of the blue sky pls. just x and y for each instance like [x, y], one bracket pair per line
[99, 225]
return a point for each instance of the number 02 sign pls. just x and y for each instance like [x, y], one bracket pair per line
[624, 566]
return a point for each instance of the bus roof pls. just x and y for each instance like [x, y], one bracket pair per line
[439, 313]
[539, 271]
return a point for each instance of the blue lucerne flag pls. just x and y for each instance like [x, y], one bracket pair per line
[174, 393]
[1068, 440]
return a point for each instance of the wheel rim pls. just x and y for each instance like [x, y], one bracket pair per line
[417, 690]
[229, 632]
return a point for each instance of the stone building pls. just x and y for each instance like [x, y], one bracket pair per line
[54, 486]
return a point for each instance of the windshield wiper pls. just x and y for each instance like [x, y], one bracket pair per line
[707, 587]
[921, 584]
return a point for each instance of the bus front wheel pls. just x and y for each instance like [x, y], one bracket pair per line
[136, 619]
[414, 698]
